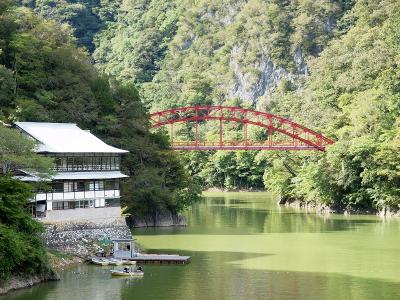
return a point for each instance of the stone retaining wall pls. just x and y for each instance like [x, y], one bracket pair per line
[81, 238]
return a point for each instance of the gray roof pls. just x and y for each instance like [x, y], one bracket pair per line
[65, 138]
[75, 176]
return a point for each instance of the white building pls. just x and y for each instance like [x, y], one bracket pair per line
[87, 173]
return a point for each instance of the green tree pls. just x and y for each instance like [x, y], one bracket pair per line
[21, 246]
[16, 151]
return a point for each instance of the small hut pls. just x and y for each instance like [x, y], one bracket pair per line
[123, 248]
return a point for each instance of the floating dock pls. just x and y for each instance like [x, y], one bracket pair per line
[161, 259]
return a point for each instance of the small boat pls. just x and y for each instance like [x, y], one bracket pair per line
[100, 261]
[128, 262]
[115, 262]
[136, 273]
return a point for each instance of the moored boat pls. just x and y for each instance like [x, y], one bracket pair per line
[100, 261]
[127, 274]
[115, 262]
[128, 262]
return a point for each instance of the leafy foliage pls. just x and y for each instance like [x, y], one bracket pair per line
[353, 88]
[21, 247]
[86, 17]
[157, 180]
[16, 151]
[50, 79]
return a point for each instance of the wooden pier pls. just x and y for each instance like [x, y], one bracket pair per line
[161, 259]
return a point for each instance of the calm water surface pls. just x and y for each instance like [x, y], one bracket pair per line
[244, 246]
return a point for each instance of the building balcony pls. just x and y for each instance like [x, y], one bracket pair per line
[69, 196]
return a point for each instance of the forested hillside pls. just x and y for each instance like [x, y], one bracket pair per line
[330, 65]
[44, 76]
[352, 95]
[87, 17]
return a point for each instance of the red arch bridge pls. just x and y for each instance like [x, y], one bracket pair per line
[283, 134]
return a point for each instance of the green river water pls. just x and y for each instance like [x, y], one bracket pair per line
[245, 246]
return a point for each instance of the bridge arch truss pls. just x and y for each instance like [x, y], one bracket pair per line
[296, 136]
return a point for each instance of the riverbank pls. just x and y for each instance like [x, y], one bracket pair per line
[57, 261]
[164, 218]
[27, 281]
[321, 208]
[225, 190]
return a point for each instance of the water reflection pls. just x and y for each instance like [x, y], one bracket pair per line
[244, 246]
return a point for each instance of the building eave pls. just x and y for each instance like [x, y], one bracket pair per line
[73, 176]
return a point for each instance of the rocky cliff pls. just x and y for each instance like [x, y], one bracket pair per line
[159, 219]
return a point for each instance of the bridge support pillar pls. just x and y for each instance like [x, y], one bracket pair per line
[270, 137]
[197, 133]
[220, 132]
[245, 134]
[171, 136]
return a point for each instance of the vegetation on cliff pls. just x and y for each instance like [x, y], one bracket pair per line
[352, 94]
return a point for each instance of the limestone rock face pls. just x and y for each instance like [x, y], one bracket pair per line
[257, 82]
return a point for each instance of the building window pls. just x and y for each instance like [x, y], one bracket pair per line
[57, 205]
[96, 163]
[89, 186]
[99, 185]
[107, 163]
[84, 185]
[79, 186]
[111, 185]
[70, 163]
[87, 163]
[58, 187]
[60, 205]
[68, 186]
[61, 163]
[84, 204]
[78, 163]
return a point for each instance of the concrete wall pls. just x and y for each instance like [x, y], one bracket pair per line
[98, 215]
